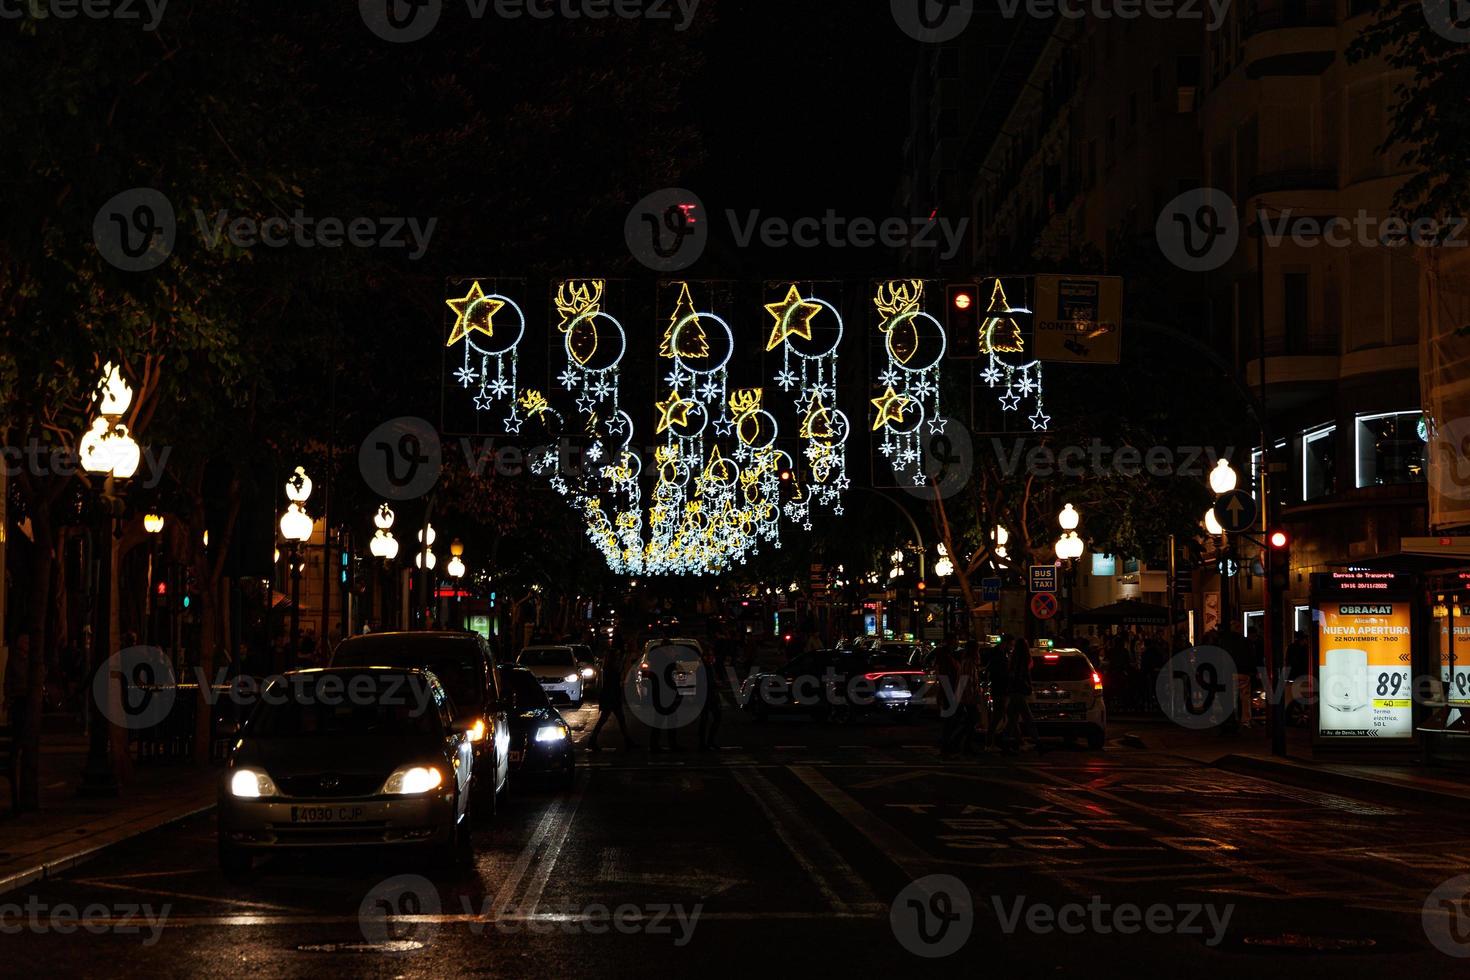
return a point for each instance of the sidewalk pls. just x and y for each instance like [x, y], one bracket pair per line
[68, 829]
[1249, 753]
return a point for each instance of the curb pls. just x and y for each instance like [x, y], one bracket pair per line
[51, 869]
[1386, 791]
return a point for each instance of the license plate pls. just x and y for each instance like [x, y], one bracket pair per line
[516, 757]
[326, 814]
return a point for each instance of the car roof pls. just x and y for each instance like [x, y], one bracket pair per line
[1069, 651]
[547, 646]
[376, 670]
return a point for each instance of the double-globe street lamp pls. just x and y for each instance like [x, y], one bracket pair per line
[1069, 548]
[296, 528]
[384, 547]
[107, 450]
[1223, 480]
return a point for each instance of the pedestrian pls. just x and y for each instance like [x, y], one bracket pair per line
[17, 684]
[610, 697]
[710, 710]
[1297, 653]
[1242, 655]
[998, 674]
[947, 676]
[970, 696]
[1018, 703]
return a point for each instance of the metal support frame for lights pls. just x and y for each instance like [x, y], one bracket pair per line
[296, 528]
[107, 450]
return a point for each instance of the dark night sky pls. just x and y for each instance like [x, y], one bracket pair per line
[804, 106]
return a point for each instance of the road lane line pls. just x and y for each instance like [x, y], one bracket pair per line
[98, 883]
[512, 883]
[547, 861]
[911, 859]
[176, 921]
[809, 849]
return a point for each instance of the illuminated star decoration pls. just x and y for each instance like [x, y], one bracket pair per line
[1021, 379]
[890, 407]
[915, 343]
[488, 328]
[673, 411]
[809, 332]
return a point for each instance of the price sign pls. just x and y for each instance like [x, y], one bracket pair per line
[1365, 663]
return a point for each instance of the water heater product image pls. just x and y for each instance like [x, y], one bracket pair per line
[1345, 680]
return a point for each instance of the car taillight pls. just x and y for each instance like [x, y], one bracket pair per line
[1052, 656]
[1096, 681]
[893, 673]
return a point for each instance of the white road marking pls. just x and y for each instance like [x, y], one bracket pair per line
[548, 860]
[98, 883]
[911, 859]
[809, 848]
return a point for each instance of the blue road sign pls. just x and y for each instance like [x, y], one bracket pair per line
[1236, 511]
[990, 590]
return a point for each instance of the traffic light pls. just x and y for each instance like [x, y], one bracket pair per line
[962, 320]
[1278, 561]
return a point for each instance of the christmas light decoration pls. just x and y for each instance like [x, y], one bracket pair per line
[915, 343]
[1021, 379]
[490, 326]
[809, 331]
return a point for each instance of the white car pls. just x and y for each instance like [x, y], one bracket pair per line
[1067, 695]
[685, 654]
[557, 669]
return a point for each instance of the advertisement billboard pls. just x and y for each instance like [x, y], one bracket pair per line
[1365, 668]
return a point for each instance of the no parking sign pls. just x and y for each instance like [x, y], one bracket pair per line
[1044, 605]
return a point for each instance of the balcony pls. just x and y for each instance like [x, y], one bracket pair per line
[1293, 180]
[1278, 15]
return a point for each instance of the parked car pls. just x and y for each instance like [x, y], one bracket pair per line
[465, 665]
[1067, 696]
[836, 685]
[348, 756]
[540, 740]
[557, 670]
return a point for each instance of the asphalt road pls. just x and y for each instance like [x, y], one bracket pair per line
[801, 848]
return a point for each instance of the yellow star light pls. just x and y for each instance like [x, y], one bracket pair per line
[793, 318]
[890, 408]
[475, 311]
[674, 411]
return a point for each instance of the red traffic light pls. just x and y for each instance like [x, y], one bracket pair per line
[1279, 540]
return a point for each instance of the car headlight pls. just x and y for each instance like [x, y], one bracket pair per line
[250, 784]
[570, 678]
[586, 671]
[410, 780]
[551, 733]
[476, 732]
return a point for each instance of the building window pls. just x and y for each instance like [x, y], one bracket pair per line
[1253, 622]
[1279, 460]
[1390, 449]
[1319, 462]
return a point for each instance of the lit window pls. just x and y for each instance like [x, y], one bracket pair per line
[1319, 457]
[1390, 449]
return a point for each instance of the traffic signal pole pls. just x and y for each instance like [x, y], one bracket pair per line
[1271, 648]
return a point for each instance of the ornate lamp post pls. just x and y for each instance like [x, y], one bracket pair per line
[384, 547]
[455, 568]
[296, 530]
[425, 561]
[1069, 548]
[944, 568]
[153, 524]
[109, 451]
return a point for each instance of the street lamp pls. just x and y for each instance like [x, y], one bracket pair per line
[384, 546]
[153, 525]
[1223, 478]
[296, 529]
[107, 450]
[1069, 548]
[944, 568]
[455, 568]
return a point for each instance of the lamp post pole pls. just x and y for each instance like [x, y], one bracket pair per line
[99, 778]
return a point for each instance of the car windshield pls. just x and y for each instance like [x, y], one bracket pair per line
[356, 705]
[460, 671]
[547, 657]
[525, 691]
[1061, 668]
[888, 660]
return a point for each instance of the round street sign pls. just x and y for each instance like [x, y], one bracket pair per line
[1236, 511]
[1044, 605]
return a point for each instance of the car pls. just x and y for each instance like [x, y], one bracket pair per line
[351, 756]
[540, 739]
[683, 656]
[557, 670]
[1067, 695]
[465, 665]
[836, 685]
[588, 665]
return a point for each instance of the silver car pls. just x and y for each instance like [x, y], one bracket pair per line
[558, 671]
[345, 757]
